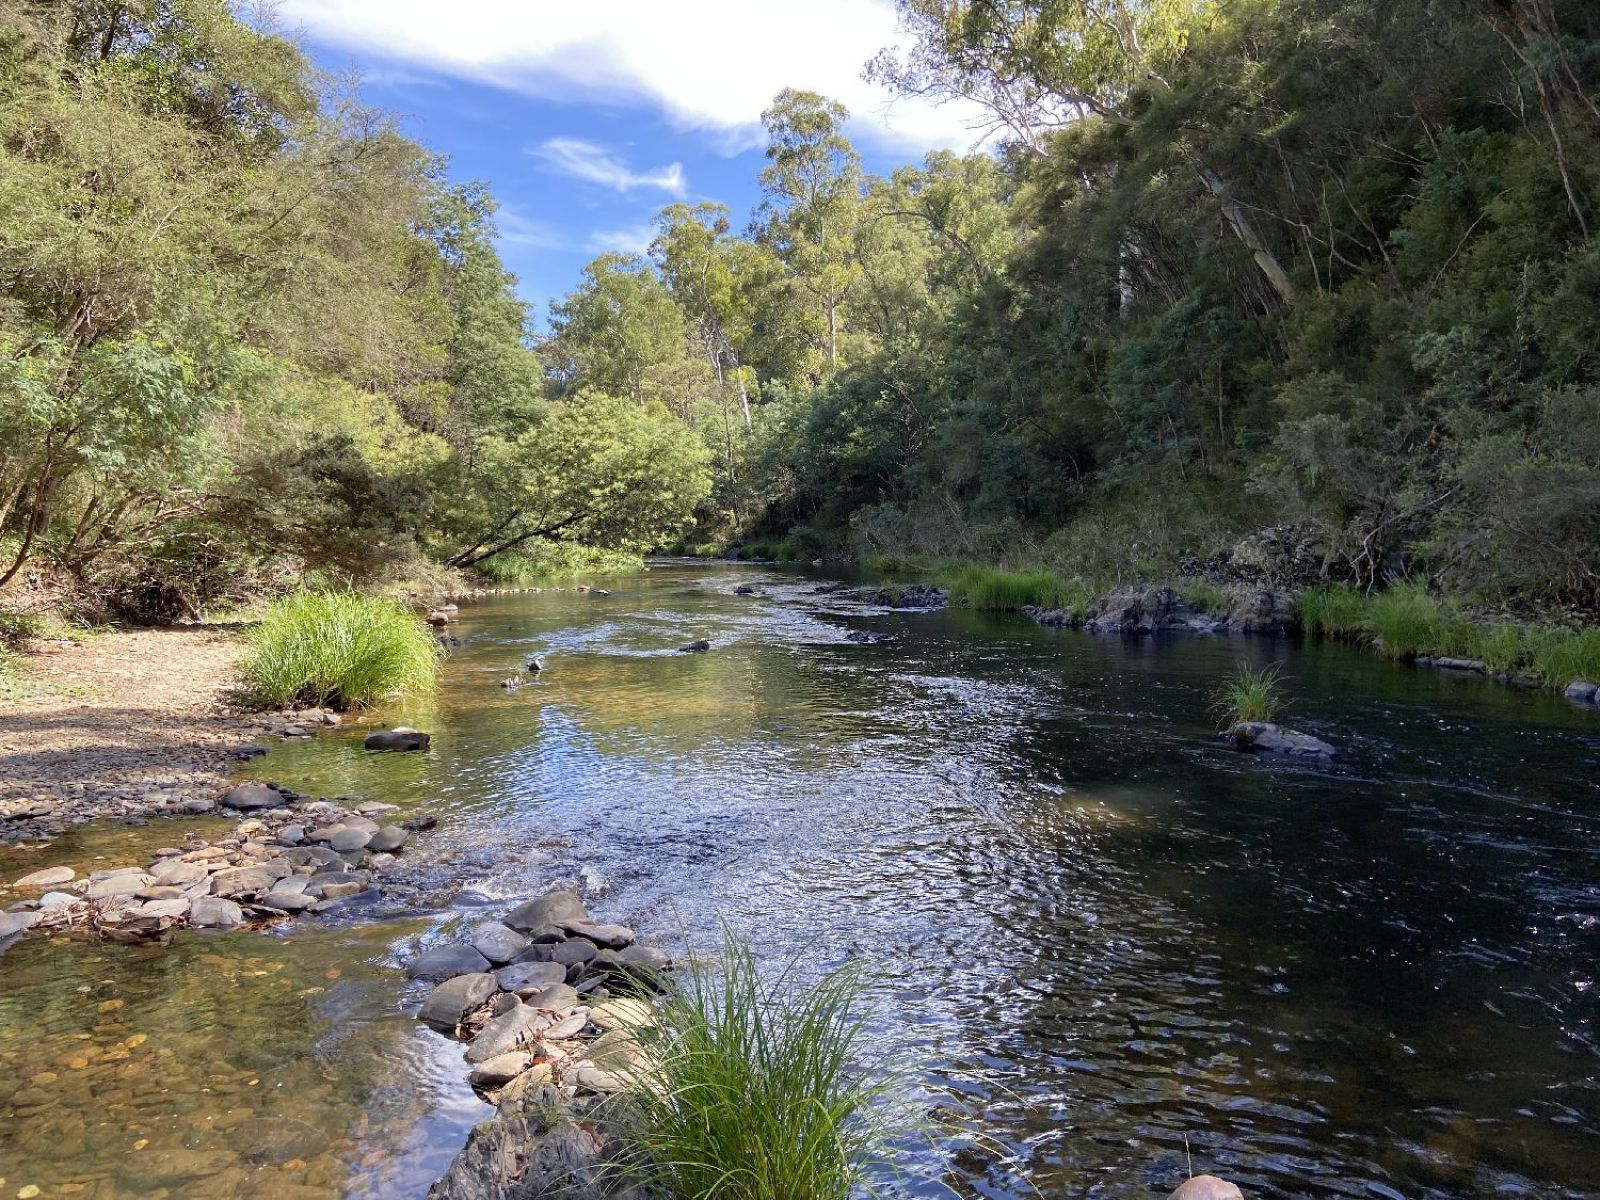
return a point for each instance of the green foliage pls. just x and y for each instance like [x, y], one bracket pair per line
[1249, 695]
[1563, 656]
[761, 1088]
[995, 590]
[1338, 612]
[339, 649]
[1406, 621]
[17, 628]
[540, 560]
[1201, 596]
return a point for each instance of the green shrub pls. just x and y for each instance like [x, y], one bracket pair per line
[18, 628]
[1202, 596]
[992, 589]
[1563, 656]
[756, 1089]
[339, 649]
[1249, 695]
[1411, 622]
[553, 560]
[1500, 647]
[1338, 612]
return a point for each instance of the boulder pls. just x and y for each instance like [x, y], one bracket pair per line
[250, 797]
[1206, 1187]
[516, 1028]
[1275, 739]
[446, 962]
[497, 943]
[553, 908]
[13, 923]
[610, 937]
[174, 872]
[1583, 692]
[501, 1069]
[557, 998]
[449, 1003]
[38, 881]
[124, 883]
[574, 952]
[531, 978]
[399, 738]
[346, 838]
[699, 647]
[213, 912]
[249, 881]
[625, 1012]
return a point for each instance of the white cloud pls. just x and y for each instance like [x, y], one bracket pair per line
[710, 65]
[519, 229]
[634, 239]
[585, 160]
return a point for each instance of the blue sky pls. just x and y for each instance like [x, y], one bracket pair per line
[584, 123]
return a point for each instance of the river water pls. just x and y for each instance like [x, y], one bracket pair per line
[1117, 947]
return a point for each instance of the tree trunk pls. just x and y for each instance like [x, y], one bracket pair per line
[1236, 216]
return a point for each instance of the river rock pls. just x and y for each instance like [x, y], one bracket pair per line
[248, 881]
[400, 738]
[553, 908]
[174, 872]
[342, 889]
[533, 1153]
[446, 962]
[497, 943]
[644, 960]
[452, 1000]
[1583, 692]
[611, 937]
[124, 883]
[287, 901]
[276, 1140]
[501, 1069]
[624, 1012]
[744, 590]
[699, 647]
[531, 978]
[13, 923]
[347, 838]
[535, 665]
[249, 797]
[38, 881]
[504, 1034]
[574, 952]
[1275, 739]
[214, 912]
[1206, 1187]
[558, 997]
[387, 840]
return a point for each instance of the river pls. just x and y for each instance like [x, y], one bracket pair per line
[1119, 947]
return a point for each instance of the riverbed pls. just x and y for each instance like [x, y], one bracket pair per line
[1117, 946]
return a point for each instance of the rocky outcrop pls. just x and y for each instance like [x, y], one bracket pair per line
[1275, 739]
[1139, 611]
[912, 595]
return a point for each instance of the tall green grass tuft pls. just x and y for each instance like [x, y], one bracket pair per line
[1410, 622]
[1338, 612]
[992, 589]
[339, 649]
[1249, 695]
[757, 1089]
[1563, 656]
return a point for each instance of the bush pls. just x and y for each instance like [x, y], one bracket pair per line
[755, 1089]
[339, 649]
[1249, 696]
[553, 560]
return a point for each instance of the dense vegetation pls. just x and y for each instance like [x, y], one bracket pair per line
[250, 334]
[338, 649]
[1330, 265]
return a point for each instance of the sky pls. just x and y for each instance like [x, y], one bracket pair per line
[585, 117]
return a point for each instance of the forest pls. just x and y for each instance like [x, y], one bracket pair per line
[1218, 267]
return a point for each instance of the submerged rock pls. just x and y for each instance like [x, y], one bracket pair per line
[446, 962]
[699, 647]
[214, 912]
[400, 738]
[1275, 739]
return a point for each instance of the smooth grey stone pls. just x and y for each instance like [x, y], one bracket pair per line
[1583, 692]
[248, 797]
[505, 1033]
[558, 997]
[500, 1070]
[446, 962]
[175, 872]
[397, 739]
[248, 881]
[610, 937]
[388, 839]
[573, 951]
[1275, 739]
[449, 1003]
[13, 923]
[530, 978]
[288, 901]
[553, 908]
[497, 943]
[347, 839]
[1206, 1187]
[213, 912]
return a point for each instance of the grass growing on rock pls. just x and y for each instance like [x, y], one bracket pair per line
[339, 649]
[1249, 696]
[758, 1089]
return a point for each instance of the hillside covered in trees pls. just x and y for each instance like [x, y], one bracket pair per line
[1221, 266]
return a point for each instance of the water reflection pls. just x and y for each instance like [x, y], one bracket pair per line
[1123, 946]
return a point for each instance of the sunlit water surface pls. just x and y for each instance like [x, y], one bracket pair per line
[1119, 947]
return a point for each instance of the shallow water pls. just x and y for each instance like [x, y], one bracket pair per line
[1121, 945]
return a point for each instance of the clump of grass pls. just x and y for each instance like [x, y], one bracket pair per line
[755, 1088]
[992, 589]
[1411, 622]
[1338, 612]
[339, 649]
[1201, 595]
[1563, 656]
[1249, 696]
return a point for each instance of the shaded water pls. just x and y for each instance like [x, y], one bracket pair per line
[1122, 944]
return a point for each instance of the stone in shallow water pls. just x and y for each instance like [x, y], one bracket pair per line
[388, 839]
[124, 884]
[453, 999]
[346, 838]
[446, 962]
[530, 978]
[247, 797]
[399, 738]
[174, 872]
[1206, 1187]
[611, 937]
[48, 878]
[497, 943]
[213, 912]
[1275, 739]
[13, 923]
[277, 1140]
[553, 908]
